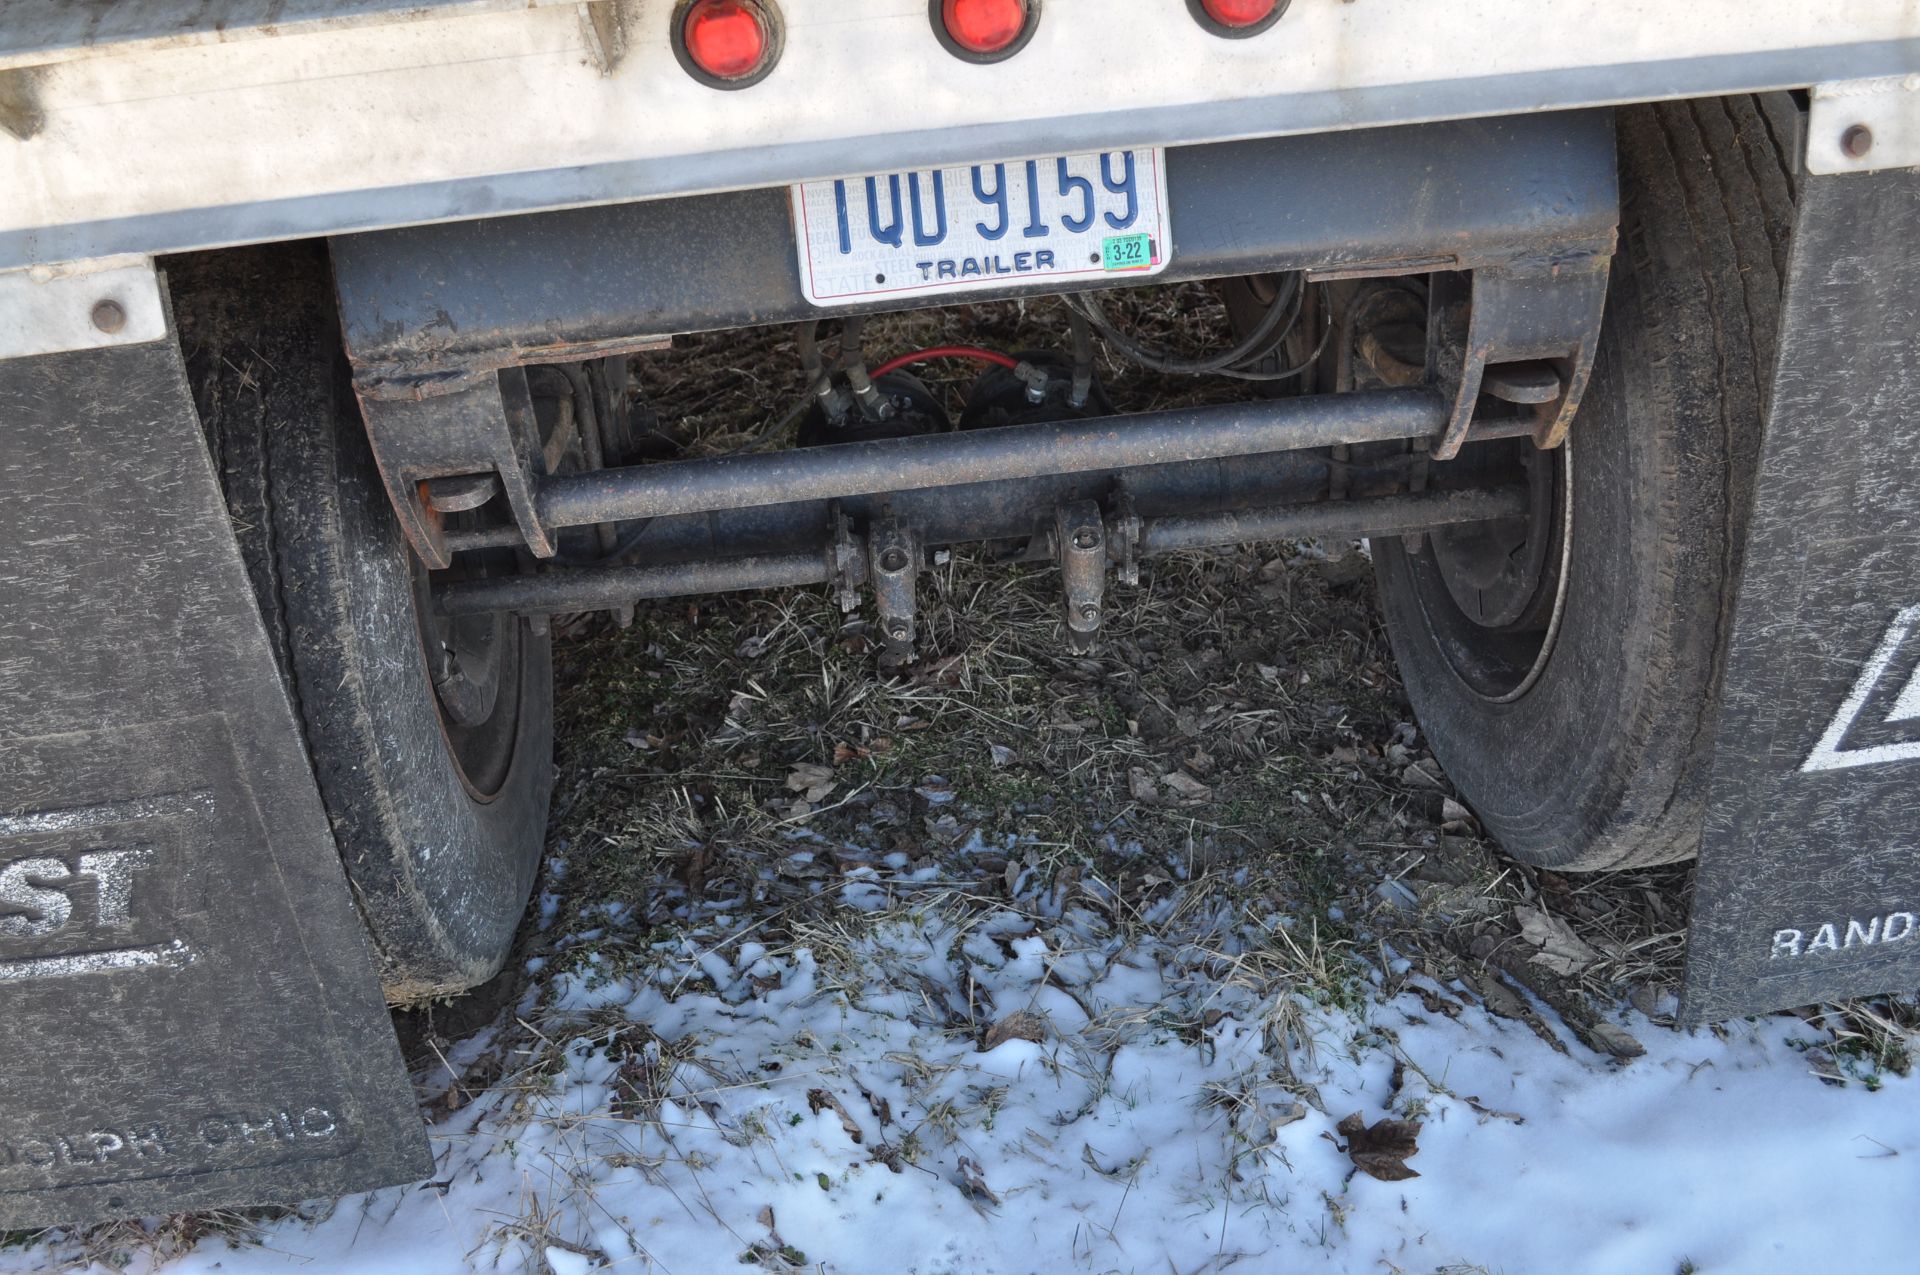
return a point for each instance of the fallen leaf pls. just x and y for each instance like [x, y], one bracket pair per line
[1285, 1114]
[973, 1181]
[1022, 1024]
[819, 1100]
[882, 1109]
[843, 753]
[811, 780]
[1426, 774]
[1380, 1150]
[1561, 950]
[1141, 787]
[1349, 568]
[1500, 1000]
[1185, 787]
[945, 671]
[1608, 1039]
[1002, 755]
[947, 829]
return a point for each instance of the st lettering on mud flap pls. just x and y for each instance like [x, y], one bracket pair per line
[111, 910]
[191, 1016]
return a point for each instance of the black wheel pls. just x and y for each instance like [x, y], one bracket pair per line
[431, 739]
[1566, 665]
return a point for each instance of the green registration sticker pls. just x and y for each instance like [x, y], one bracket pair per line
[1127, 252]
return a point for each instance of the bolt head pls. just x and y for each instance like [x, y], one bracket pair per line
[1856, 141]
[898, 629]
[1088, 611]
[109, 316]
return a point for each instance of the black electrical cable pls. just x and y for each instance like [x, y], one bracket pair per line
[1082, 358]
[806, 338]
[1286, 308]
[1247, 374]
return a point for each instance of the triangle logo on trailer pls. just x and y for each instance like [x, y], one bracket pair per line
[1873, 702]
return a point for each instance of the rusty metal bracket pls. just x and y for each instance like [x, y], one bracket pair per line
[1080, 541]
[893, 563]
[1510, 346]
[426, 432]
[846, 561]
[1123, 536]
[1864, 126]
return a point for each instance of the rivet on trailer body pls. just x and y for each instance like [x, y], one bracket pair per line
[1856, 141]
[109, 316]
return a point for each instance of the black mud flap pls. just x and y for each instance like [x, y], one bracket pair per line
[1809, 882]
[190, 1015]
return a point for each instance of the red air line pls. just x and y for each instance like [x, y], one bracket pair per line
[973, 352]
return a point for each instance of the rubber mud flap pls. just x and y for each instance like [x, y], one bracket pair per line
[1809, 882]
[192, 1019]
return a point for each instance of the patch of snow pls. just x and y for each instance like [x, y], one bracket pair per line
[833, 1110]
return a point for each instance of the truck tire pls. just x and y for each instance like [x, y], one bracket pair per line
[436, 781]
[1578, 723]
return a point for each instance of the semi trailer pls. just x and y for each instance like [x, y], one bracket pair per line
[1599, 321]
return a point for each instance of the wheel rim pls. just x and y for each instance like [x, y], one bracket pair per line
[1493, 594]
[473, 664]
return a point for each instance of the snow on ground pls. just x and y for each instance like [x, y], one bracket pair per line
[1158, 1092]
[1099, 1001]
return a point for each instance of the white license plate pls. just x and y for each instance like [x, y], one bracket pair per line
[947, 230]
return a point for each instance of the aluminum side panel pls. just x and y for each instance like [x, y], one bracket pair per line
[330, 129]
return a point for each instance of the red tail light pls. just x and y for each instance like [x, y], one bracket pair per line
[983, 30]
[727, 43]
[1237, 17]
[1237, 13]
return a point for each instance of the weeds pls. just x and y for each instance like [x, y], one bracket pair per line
[869, 877]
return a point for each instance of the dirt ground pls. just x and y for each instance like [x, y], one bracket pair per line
[1233, 778]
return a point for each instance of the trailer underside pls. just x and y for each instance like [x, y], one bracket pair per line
[223, 671]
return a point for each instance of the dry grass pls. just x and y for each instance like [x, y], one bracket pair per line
[717, 391]
[1260, 674]
[1233, 775]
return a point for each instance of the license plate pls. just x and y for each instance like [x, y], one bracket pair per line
[947, 230]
